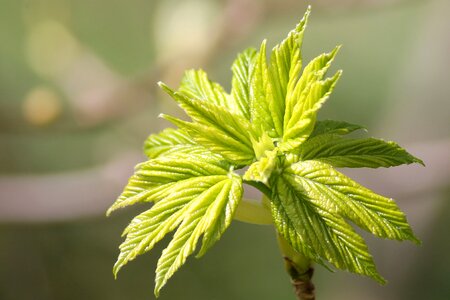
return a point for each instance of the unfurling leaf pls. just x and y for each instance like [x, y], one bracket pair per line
[267, 127]
[261, 97]
[240, 85]
[301, 123]
[215, 128]
[262, 169]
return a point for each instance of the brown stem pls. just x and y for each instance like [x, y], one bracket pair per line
[299, 269]
[302, 283]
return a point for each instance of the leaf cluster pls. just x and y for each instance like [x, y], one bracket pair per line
[268, 123]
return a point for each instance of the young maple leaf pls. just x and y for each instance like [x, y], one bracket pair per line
[268, 124]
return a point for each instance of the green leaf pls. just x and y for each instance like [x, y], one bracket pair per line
[216, 128]
[196, 85]
[262, 169]
[217, 141]
[311, 202]
[261, 96]
[285, 67]
[317, 232]
[270, 85]
[208, 214]
[221, 213]
[157, 176]
[301, 122]
[268, 123]
[197, 195]
[313, 73]
[262, 144]
[162, 143]
[372, 212]
[334, 127]
[240, 84]
[355, 153]
[172, 142]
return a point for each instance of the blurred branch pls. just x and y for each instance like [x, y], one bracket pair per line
[88, 193]
[64, 196]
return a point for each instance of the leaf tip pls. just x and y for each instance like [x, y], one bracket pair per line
[373, 273]
[166, 88]
[262, 49]
[337, 75]
[380, 279]
[165, 117]
[175, 121]
[116, 270]
[305, 18]
[419, 161]
[158, 286]
[336, 50]
[332, 54]
[306, 14]
[202, 251]
[415, 239]
[109, 211]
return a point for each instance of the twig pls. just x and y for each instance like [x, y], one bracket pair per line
[302, 283]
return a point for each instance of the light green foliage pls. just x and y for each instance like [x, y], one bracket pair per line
[196, 193]
[268, 123]
[167, 142]
[240, 85]
[334, 127]
[262, 169]
[355, 153]
[216, 128]
[311, 203]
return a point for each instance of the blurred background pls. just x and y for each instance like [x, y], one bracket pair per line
[78, 96]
